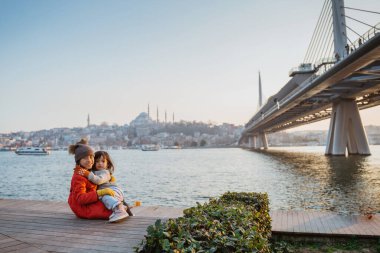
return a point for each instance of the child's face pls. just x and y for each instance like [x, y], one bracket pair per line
[87, 162]
[101, 163]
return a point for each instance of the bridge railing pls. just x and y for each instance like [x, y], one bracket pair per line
[324, 64]
[365, 37]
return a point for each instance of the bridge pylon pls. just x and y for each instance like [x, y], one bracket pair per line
[252, 142]
[346, 130]
[262, 141]
[258, 141]
[339, 28]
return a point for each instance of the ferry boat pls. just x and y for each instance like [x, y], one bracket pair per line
[150, 147]
[32, 151]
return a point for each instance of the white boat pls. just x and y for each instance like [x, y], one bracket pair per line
[150, 147]
[32, 151]
[173, 147]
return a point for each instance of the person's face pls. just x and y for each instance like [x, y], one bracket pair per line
[101, 163]
[87, 162]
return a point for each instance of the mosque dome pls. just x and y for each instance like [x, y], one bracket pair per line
[141, 120]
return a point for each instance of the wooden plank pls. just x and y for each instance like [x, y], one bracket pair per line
[124, 230]
[100, 236]
[291, 221]
[283, 219]
[328, 223]
[274, 222]
[23, 247]
[321, 227]
[10, 243]
[80, 240]
[300, 216]
[375, 228]
[40, 226]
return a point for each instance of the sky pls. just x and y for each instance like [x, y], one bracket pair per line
[63, 60]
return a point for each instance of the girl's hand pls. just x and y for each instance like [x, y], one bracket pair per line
[81, 171]
[106, 191]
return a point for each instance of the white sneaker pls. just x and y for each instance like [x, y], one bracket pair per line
[118, 214]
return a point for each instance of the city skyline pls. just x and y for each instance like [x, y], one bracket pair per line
[64, 60]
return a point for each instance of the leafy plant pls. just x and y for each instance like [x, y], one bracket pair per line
[236, 222]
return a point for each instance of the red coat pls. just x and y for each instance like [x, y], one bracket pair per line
[84, 201]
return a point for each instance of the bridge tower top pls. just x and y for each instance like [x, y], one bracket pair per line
[339, 27]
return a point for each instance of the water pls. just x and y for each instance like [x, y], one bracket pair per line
[299, 178]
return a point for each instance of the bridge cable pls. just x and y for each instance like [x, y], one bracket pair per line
[320, 35]
[327, 52]
[314, 32]
[362, 10]
[352, 44]
[316, 39]
[359, 21]
[354, 32]
[320, 50]
[323, 38]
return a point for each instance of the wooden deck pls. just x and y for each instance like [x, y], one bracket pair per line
[327, 224]
[42, 226]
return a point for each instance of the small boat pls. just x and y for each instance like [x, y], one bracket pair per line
[150, 147]
[173, 147]
[32, 151]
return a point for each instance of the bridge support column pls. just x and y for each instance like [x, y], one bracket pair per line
[346, 130]
[252, 142]
[262, 141]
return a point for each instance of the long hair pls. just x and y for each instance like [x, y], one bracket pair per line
[105, 155]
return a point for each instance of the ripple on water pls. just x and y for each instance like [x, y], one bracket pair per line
[299, 178]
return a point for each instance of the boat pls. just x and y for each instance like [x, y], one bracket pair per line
[173, 147]
[5, 149]
[150, 147]
[32, 151]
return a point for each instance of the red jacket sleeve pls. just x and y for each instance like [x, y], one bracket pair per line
[83, 191]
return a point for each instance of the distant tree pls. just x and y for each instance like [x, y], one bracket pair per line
[194, 144]
[203, 143]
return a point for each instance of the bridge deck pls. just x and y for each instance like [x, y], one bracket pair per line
[42, 226]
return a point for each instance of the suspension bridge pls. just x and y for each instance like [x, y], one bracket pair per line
[338, 77]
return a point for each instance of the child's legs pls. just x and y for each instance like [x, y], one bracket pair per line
[112, 201]
[118, 193]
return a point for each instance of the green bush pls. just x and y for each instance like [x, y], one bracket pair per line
[236, 222]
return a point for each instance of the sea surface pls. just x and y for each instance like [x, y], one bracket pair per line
[296, 178]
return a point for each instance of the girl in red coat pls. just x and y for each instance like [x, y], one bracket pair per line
[84, 198]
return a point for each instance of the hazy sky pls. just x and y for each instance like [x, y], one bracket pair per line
[62, 60]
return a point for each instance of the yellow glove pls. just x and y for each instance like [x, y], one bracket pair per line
[113, 179]
[106, 191]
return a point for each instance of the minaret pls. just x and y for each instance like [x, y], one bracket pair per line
[260, 92]
[157, 114]
[165, 117]
[173, 117]
[88, 120]
[148, 110]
